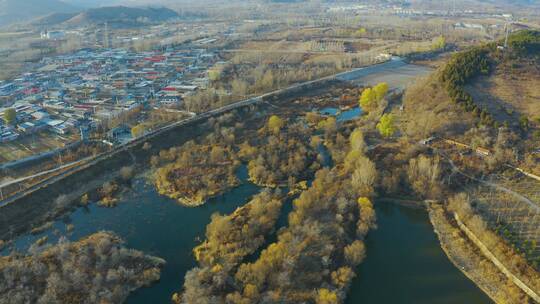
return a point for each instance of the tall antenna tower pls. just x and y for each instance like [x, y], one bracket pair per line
[106, 36]
[507, 30]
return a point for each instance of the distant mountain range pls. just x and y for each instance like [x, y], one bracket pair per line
[15, 11]
[88, 11]
[121, 14]
[56, 12]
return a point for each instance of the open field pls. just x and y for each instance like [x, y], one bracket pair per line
[33, 144]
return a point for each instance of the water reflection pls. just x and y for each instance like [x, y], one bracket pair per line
[342, 115]
[405, 264]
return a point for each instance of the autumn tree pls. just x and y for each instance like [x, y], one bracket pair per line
[368, 99]
[371, 97]
[325, 296]
[127, 172]
[217, 154]
[329, 125]
[229, 239]
[10, 116]
[239, 87]
[364, 173]
[275, 124]
[361, 31]
[193, 173]
[380, 90]
[214, 74]
[355, 253]
[386, 125]
[137, 131]
[267, 81]
[367, 218]
[95, 269]
[357, 140]
[313, 117]
[438, 43]
[247, 151]
[85, 199]
[424, 175]
[342, 277]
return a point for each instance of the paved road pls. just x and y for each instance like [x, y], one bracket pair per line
[397, 73]
[22, 179]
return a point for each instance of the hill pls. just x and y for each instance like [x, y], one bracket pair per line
[52, 19]
[16, 11]
[121, 14]
[487, 88]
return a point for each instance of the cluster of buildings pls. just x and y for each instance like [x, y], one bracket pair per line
[90, 87]
[7, 133]
[446, 9]
[53, 35]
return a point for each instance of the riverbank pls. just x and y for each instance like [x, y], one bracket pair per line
[465, 256]
[405, 263]
[96, 269]
[27, 208]
[157, 224]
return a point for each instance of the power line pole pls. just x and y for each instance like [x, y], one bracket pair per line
[507, 33]
[106, 36]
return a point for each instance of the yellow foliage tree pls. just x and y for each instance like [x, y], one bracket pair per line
[364, 203]
[325, 296]
[386, 125]
[342, 277]
[380, 90]
[275, 124]
[367, 218]
[355, 253]
[438, 43]
[137, 131]
[10, 116]
[251, 291]
[247, 151]
[85, 199]
[368, 99]
[313, 117]
[357, 140]
[214, 74]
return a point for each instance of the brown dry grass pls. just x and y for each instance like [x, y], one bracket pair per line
[516, 88]
[428, 110]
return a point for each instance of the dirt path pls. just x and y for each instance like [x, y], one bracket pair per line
[520, 197]
[464, 255]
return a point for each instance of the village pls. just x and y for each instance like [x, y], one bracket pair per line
[68, 96]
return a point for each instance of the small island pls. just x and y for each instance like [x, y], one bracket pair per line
[282, 155]
[194, 173]
[96, 269]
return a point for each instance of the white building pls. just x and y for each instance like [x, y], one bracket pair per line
[53, 35]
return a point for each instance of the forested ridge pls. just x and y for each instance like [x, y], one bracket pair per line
[481, 60]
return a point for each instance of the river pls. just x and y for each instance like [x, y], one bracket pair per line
[405, 263]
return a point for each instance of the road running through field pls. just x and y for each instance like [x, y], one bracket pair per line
[22, 179]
